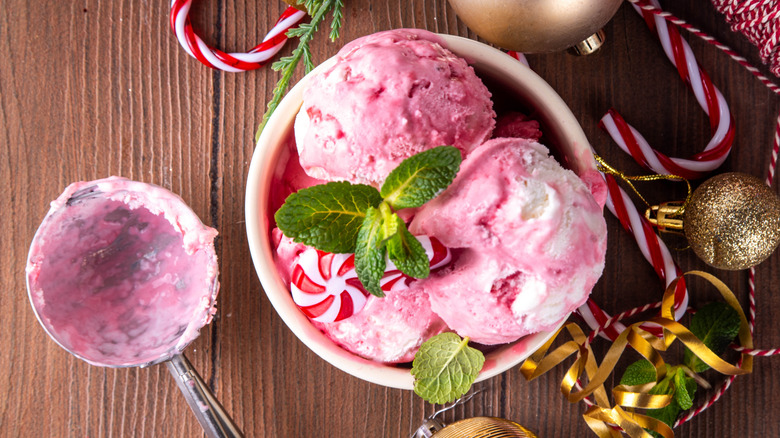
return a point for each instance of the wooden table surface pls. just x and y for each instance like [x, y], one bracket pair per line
[90, 89]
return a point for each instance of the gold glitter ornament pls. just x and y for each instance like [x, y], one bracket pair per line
[733, 221]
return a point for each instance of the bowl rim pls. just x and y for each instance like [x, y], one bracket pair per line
[259, 176]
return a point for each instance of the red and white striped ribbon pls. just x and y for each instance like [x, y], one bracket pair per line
[231, 62]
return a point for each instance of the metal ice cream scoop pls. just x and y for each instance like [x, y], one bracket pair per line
[124, 274]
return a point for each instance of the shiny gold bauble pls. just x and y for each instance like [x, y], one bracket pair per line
[484, 427]
[533, 26]
[733, 221]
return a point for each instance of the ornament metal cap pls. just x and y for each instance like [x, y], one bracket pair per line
[666, 216]
[589, 45]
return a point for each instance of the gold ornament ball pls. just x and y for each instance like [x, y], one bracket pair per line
[733, 221]
[534, 26]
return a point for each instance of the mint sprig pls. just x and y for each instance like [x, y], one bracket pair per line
[327, 216]
[318, 9]
[421, 177]
[716, 325]
[342, 217]
[370, 260]
[406, 252]
[676, 383]
[445, 368]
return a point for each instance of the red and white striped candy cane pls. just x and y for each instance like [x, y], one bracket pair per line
[709, 97]
[711, 100]
[653, 249]
[518, 56]
[232, 62]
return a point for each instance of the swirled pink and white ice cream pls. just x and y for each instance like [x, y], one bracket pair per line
[122, 273]
[527, 237]
[532, 241]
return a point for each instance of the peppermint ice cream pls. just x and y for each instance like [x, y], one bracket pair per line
[533, 241]
[527, 237]
[390, 95]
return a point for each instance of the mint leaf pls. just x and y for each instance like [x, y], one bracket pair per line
[421, 177]
[682, 395]
[327, 216]
[676, 383]
[370, 260]
[406, 252]
[389, 224]
[716, 324]
[445, 367]
[682, 387]
[669, 413]
[638, 373]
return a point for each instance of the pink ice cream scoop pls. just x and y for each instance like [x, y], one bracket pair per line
[122, 273]
[389, 329]
[532, 243]
[389, 95]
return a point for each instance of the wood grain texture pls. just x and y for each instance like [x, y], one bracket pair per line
[90, 89]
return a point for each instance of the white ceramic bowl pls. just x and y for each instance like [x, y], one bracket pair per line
[563, 134]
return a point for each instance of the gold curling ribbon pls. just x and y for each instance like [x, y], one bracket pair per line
[603, 417]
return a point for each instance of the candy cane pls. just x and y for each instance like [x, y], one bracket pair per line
[653, 249]
[711, 100]
[518, 56]
[232, 62]
[708, 96]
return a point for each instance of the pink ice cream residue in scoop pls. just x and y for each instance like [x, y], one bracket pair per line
[122, 273]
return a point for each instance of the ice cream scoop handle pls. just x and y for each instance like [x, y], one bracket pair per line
[211, 415]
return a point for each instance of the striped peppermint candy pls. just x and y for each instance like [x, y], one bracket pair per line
[326, 288]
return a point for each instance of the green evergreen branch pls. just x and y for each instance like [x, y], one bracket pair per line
[335, 25]
[305, 32]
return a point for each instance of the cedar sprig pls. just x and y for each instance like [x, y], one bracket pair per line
[304, 32]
